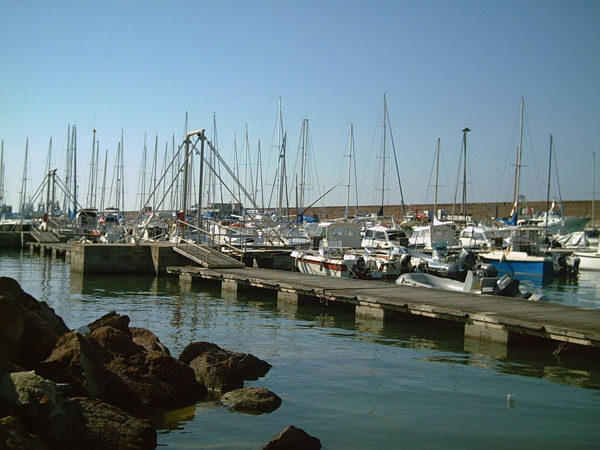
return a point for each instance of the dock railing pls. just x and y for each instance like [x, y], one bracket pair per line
[207, 241]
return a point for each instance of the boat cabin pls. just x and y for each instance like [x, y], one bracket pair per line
[333, 234]
[87, 219]
[427, 236]
[383, 237]
[483, 237]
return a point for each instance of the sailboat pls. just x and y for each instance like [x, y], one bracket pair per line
[553, 219]
[590, 261]
[523, 254]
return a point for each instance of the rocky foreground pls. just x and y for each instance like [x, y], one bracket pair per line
[65, 389]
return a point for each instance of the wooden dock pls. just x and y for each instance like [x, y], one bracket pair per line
[488, 318]
[56, 249]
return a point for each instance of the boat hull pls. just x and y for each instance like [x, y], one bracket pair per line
[588, 261]
[315, 265]
[537, 266]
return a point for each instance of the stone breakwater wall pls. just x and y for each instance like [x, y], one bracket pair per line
[479, 211]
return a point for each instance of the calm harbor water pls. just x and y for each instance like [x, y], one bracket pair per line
[354, 384]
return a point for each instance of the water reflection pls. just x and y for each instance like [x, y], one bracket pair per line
[179, 316]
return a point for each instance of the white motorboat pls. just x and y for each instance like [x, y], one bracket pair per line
[428, 236]
[335, 252]
[482, 279]
[588, 260]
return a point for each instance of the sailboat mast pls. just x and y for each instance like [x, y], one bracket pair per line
[437, 173]
[259, 176]
[74, 141]
[593, 188]
[2, 176]
[91, 180]
[103, 182]
[281, 162]
[304, 145]
[548, 190]
[23, 195]
[519, 152]
[383, 152]
[351, 151]
[48, 163]
[153, 180]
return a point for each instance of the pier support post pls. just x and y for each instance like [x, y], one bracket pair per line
[287, 301]
[287, 296]
[54, 253]
[369, 311]
[185, 282]
[229, 289]
[488, 332]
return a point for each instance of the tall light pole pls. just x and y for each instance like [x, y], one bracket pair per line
[464, 195]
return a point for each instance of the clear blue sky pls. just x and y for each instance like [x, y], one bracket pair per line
[139, 66]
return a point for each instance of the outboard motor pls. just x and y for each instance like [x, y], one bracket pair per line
[467, 259]
[486, 270]
[405, 265]
[507, 286]
[361, 271]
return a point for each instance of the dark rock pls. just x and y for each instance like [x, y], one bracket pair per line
[252, 367]
[153, 378]
[116, 340]
[148, 340]
[11, 288]
[124, 374]
[255, 400]
[112, 319]
[91, 424]
[28, 328]
[195, 349]
[14, 436]
[222, 370]
[79, 361]
[292, 438]
[6, 365]
[25, 337]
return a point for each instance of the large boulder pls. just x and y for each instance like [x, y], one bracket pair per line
[29, 394]
[222, 370]
[91, 424]
[72, 423]
[153, 378]
[28, 328]
[253, 400]
[148, 340]
[107, 364]
[293, 438]
[116, 341]
[112, 319]
[79, 361]
[14, 436]
[11, 288]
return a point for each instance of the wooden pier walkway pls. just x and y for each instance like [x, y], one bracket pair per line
[489, 318]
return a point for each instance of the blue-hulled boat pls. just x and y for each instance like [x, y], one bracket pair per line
[523, 256]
